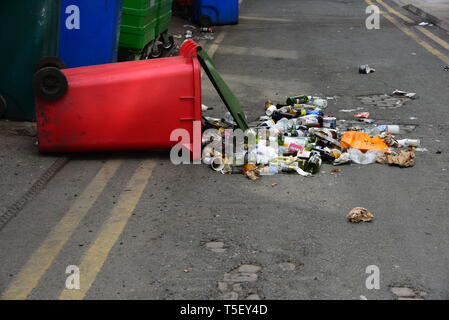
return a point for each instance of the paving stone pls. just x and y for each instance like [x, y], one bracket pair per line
[253, 297]
[249, 268]
[244, 277]
[219, 250]
[223, 286]
[231, 296]
[215, 245]
[403, 292]
[287, 266]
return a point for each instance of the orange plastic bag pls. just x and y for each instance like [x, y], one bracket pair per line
[362, 141]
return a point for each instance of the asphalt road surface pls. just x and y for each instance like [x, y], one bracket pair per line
[139, 227]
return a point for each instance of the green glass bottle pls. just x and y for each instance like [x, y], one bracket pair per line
[297, 100]
[313, 165]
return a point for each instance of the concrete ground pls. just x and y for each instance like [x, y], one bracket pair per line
[21, 164]
[139, 227]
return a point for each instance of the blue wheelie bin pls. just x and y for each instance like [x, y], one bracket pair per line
[216, 12]
[89, 31]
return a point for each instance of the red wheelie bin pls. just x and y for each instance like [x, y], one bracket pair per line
[126, 106]
[120, 106]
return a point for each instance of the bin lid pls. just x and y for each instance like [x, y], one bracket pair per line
[229, 99]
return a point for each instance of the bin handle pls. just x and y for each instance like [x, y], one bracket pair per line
[226, 95]
[189, 49]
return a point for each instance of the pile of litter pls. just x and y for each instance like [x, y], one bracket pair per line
[298, 137]
[191, 32]
[197, 33]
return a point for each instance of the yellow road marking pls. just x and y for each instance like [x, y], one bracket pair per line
[396, 13]
[423, 30]
[434, 37]
[43, 257]
[413, 35]
[111, 230]
[214, 47]
[259, 52]
[264, 19]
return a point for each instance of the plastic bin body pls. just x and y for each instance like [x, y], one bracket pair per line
[164, 15]
[89, 32]
[28, 32]
[220, 12]
[139, 21]
[123, 106]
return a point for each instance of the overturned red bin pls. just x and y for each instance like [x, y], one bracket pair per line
[121, 106]
[126, 106]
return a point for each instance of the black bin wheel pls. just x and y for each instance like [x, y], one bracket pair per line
[50, 62]
[169, 44]
[205, 21]
[50, 84]
[2, 106]
[157, 51]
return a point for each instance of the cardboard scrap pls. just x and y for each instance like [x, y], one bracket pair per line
[404, 158]
[360, 214]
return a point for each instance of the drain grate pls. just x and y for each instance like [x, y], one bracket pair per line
[383, 101]
[13, 210]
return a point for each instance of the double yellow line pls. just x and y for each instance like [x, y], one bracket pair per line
[91, 263]
[408, 31]
[98, 252]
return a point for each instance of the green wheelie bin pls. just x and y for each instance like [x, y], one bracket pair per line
[28, 32]
[141, 33]
[137, 30]
[164, 17]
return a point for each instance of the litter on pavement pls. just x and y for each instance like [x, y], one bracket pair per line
[403, 158]
[298, 136]
[410, 95]
[360, 214]
[366, 69]
[197, 34]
